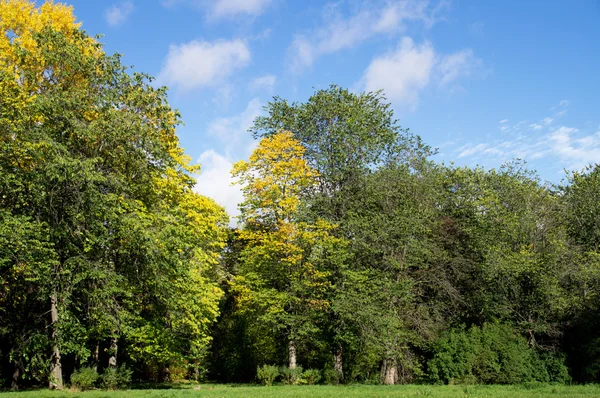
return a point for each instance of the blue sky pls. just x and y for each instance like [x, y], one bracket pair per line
[483, 81]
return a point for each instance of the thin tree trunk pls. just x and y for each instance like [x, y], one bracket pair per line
[337, 361]
[112, 351]
[56, 380]
[292, 354]
[14, 384]
[96, 356]
[389, 371]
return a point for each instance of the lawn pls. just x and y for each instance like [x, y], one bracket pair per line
[417, 391]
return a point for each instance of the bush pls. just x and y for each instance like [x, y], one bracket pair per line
[291, 376]
[116, 378]
[267, 374]
[84, 378]
[491, 354]
[311, 376]
[332, 376]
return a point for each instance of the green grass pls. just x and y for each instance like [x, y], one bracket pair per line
[411, 391]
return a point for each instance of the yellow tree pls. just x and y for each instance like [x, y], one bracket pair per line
[282, 277]
[89, 152]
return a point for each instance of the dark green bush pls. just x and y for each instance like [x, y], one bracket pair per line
[84, 378]
[332, 376]
[291, 376]
[492, 354]
[116, 378]
[311, 376]
[267, 374]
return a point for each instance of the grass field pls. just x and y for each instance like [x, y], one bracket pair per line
[416, 391]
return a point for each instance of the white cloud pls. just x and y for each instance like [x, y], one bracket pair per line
[201, 63]
[503, 121]
[338, 32]
[547, 121]
[232, 8]
[457, 65]
[220, 9]
[575, 152]
[118, 14]
[215, 181]
[233, 130]
[402, 73]
[266, 82]
[536, 126]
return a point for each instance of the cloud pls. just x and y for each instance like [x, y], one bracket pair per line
[232, 8]
[201, 63]
[576, 153]
[454, 66]
[215, 182]
[503, 121]
[567, 146]
[266, 82]
[118, 14]
[233, 130]
[222, 9]
[338, 32]
[404, 72]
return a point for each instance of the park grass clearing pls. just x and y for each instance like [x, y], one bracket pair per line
[400, 391]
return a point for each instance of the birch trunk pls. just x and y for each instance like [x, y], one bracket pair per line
[96, 356]
[56, 379]
[389, 371]
[112, 359]
[337, 361]
[292, 354]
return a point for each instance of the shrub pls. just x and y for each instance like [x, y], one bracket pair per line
[115, 378]
[332, 376]
[84, 378]
[291, 376]
[311, 376]
[491, 354]
[267, 374]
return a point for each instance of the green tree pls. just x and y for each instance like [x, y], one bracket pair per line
[281, 276]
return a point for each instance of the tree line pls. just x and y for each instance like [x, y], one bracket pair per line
[358, 258]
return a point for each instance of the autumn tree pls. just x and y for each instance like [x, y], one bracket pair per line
[283, 274]
[114, 247]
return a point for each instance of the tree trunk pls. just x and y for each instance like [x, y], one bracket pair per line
[337, 361]
[112, 352]
[56, 380]
[96, 356]
[389, 372]
[14, 384]
[292, 354]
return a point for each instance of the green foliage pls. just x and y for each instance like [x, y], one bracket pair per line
[267, 374]
[84, 378]
[291, 376]
[116, 378]
[332, 376]
[492, 354]
[311, 376]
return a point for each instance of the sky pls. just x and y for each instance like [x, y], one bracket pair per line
[484, 82]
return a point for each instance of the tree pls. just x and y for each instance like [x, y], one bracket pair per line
[281, 277]
[348, 138]
[91, 166]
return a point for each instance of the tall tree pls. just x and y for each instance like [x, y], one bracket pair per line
[281, 275]
[91, 165]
